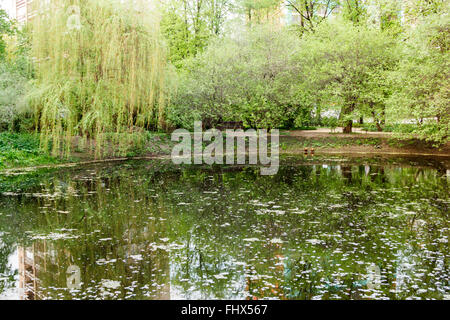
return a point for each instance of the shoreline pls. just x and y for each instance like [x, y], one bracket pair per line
[371, 155]
[355, 145]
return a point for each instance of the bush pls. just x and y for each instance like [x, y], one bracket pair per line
[395, 127]
[14, 113]
[422, 79]
[254, 78]
[330, 122]
[21, 150]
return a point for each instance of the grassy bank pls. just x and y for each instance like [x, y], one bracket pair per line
[22, 150]
[324, 141]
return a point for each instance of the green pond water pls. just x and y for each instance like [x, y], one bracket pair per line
[322, 228]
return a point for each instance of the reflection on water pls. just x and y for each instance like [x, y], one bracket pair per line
[322, 229]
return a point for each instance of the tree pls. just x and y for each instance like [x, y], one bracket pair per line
[12, 103]
[178, 38]
[7, 28]
[355, 10]
[188, 26]
[259, 11]
[423, 86]
[99, 79]
[216, 14]
[390, 16]
[312, 12]
[14, 75]
[349, 68]
[252, 78]
[415, 10]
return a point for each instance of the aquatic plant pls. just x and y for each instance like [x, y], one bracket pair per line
[99, 73]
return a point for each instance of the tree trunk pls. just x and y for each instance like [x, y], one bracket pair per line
[348, 127]
[379, 127]
[377, 122]
[361, 120]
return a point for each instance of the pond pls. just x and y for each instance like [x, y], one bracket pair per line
[322, 228]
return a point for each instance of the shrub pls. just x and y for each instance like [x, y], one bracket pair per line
[253, 78]
[14, 113]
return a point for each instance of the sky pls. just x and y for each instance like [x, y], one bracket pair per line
[8, 6]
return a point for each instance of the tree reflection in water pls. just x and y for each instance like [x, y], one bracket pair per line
[319, 229]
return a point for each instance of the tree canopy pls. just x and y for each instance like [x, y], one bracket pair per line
[104, 72]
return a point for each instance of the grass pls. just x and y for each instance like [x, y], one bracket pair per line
[399, 127]
[159, 143]
[22, 150]
[292, 143]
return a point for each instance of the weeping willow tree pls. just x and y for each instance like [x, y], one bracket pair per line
[99, 73]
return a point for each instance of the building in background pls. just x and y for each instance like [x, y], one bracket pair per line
[21, 10]
[24, 10]
[17, 9]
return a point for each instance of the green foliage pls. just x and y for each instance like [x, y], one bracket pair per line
[20, 150]
[253, 78]
[108, 79]
[389, 13]
[99, 69]
[312, 12]
[176, 33]
[423, 87]
[12, 88]
[422, 8]
[257, 11]
[330, 122]
[188, 26]
[304, 118]
[355, 11]
[395, 127]
[14, 113]
[348, 68]
[14, 75]
[7, 28]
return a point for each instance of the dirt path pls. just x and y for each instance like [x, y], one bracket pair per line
[325, 132]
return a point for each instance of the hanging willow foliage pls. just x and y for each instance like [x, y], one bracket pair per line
[99, 73]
